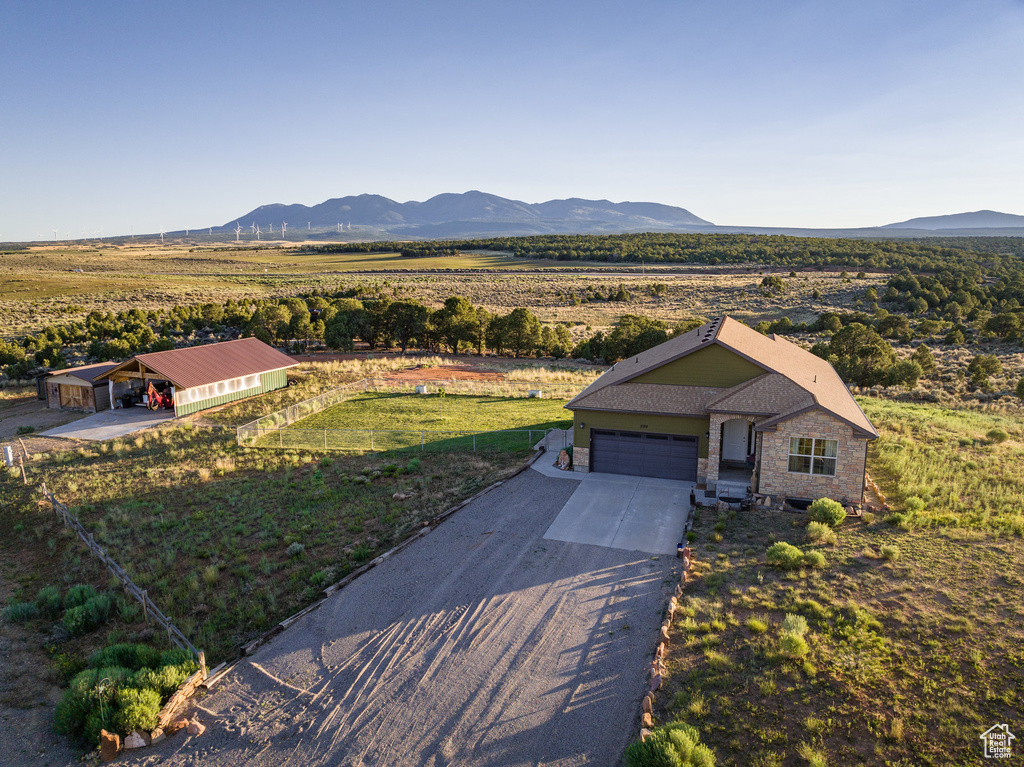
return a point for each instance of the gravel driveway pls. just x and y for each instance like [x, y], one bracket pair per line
[481, 644]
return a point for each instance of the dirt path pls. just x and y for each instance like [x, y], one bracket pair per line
[33, 412]
[481, 644]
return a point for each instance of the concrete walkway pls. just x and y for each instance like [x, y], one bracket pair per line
[110, 424]
[621, 512]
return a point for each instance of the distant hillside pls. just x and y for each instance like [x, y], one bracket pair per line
[472, 213]
[979, 219]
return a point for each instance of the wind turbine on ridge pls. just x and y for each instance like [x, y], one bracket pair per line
[257, 231]
[161, 235]
[238, 230]
[284, 226]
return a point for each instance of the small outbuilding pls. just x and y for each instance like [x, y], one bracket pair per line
[199, 377]
[78, 388]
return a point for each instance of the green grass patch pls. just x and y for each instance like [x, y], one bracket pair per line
[454, 422]
[939, 467]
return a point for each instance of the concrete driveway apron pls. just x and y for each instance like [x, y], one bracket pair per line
[622, 512]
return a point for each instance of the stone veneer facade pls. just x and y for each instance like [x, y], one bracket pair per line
[715, 442]
[581, 458]
[779, 482]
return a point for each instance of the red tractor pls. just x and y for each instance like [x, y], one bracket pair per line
[158, 399]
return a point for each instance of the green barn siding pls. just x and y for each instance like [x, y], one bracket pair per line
[274, 379]
[711, 366]
[653, 424]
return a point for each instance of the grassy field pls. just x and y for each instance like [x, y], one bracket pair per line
[384, 421]
[37, 285]
[912, 644]
[949, 467]
[432, 412]
[230, 540]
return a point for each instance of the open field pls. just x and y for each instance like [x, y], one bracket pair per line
[949, 467]
[231, 540]
[913, 644]
[40, 286]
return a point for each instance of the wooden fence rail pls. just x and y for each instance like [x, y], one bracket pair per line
[150, 610]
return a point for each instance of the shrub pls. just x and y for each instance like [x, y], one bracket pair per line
[672, 745]
[867, 517]
[20, 612]
[129, 656]
[413, 467]
[78, 595]
[997, 436]
[756, 625]
[76, 621]
[26, 429]
[794, 624]
[785, 555]
[295, 549]
[890, 552]
[792, 646]
[819, 532]
[914, 504]
[691, 536]
[137, 709]
[814, 559]
[49, 602]
[827, 511]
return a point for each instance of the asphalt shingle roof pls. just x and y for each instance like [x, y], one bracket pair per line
[795, 379]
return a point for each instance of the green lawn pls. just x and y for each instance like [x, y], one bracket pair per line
[428, 422]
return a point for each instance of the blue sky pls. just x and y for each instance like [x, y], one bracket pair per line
[128, 115]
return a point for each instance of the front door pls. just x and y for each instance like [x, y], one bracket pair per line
[734, 440]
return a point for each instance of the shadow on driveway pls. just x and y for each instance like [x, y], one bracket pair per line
[481, 644]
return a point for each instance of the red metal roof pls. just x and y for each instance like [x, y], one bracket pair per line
[201, 365]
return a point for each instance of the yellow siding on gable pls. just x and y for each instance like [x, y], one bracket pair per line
[712, 366]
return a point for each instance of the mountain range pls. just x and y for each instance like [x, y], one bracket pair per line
[478, 214]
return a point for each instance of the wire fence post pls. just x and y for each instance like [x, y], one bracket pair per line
[325, 439]
[280, 437]
[421, 441]
[474, 442]
[371, 440]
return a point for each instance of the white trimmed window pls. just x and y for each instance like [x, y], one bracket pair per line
[813, 456]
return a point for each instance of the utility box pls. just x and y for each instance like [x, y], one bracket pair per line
[535, 394]
[8, 456]
[421, 389]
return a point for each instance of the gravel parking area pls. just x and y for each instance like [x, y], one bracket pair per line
[481, 644]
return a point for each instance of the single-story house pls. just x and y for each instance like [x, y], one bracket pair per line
[726, 403]
[77, 388]
[201, 377]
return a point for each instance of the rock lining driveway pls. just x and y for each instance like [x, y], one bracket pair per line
[481, 644]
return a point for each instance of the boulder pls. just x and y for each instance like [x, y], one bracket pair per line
[647, 706]
[196, 727]
[110, 744]
[156, 736]
[656, 683]
[645, 734]
[136, 739]
[177, 724]
[647, 720]
[660, 652]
